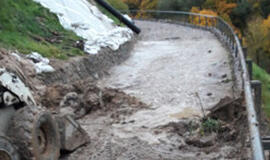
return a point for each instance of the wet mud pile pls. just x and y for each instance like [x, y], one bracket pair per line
[85, 97]
[212, 137]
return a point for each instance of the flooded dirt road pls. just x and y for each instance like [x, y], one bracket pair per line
[178, 73]
[174, 73]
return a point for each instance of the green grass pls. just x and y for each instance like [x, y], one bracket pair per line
[264, 77]
[118, 5]
[209, 125]
[23, 21]
[108, 14]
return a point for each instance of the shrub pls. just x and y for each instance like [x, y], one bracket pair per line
[210, 125]
[179, 5]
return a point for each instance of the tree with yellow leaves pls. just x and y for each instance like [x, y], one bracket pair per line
[266, 24]
[266, 33]
[141, 5]
[147, 5]
[133, 4]
[222, 7]
[203, 21]
[258, 41]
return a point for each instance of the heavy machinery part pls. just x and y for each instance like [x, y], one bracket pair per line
[118, 15]
[6, 114]
[35, 133]
[9, 99]
[71, 133]
[7, 150]
[13, 84]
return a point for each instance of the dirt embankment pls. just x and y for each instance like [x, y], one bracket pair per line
[89, 66]
[82, 68]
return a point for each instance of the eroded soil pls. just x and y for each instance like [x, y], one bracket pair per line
[171, 100]
[177, 75]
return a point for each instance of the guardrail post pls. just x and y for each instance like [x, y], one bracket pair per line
[245, 52]
[206, 22]
[199, 25]
[249, 65]
[213, 22]
[236, 50]
[257, 86]
[241, 41]
[266, 144]
[230, 42]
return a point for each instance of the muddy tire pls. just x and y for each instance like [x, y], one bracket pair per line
[7, 150]
[35, 133]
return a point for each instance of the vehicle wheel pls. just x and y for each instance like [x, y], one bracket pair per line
[7, 150]
[35, 132]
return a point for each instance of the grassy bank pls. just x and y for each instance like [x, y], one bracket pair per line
[27, 26]
[264, 77]
[118, 5]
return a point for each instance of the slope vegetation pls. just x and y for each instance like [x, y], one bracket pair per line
[26, 26]
[264, 77]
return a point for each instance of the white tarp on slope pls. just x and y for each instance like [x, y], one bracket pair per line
[41, 64]
[88, 22]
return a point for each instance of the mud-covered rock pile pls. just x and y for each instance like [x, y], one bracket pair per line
[82, 97]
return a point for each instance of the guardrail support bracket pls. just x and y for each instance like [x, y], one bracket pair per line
[249, 65]
[257, 86]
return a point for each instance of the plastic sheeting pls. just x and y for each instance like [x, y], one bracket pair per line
[89, 23]
[41, 64]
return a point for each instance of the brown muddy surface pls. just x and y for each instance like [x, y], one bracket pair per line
[173, 71]
[151, 106]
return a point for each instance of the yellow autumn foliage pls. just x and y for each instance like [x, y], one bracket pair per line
[146, 5]
[136, 3]
[142, 5]
[266, 25]
[266, 32]
[200, 20]
[222, 8]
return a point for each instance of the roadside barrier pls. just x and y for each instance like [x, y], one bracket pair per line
[227, 36]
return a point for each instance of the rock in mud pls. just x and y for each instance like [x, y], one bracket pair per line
[183, 127]
[201, 142]
[72, 104]
[226, 109]
[71, 100]
[92, 98]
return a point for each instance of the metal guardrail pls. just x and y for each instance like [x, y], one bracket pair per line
[226, 34]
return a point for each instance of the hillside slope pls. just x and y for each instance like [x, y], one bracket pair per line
[88, 22]
[58, 29]
[27, 26]
[264, 77]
